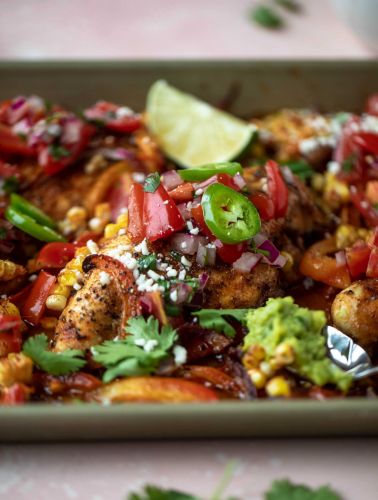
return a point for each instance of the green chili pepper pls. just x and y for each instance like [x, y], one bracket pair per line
[204, 172]
[31, 226]
[21, 205]
[230, 216]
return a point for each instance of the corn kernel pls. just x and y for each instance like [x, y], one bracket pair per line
[122, 222]
[289, 261]
[317, 182]
[284, 354]
[254, 355]
[258, 378]
[266, 368]
[48, 323]
[76, 215]
[278, 387]
[56, 302]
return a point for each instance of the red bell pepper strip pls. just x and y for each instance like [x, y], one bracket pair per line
[277, 189]
[136, 228]
[55, 255]
[357, 258]
[11, 144]
[35, 304]
[160, 215]
[182, 193]
[264, 205]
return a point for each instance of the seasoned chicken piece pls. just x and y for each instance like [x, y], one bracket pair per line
[228, 289]
[101, 308]
[355, 312]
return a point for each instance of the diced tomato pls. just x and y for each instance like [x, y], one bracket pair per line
[14, 395]
[367, 142]
[11, 144]
[53, 165]
[35, 304]
[8, 170]
[182, 193]
[357, 258]
[56, 255]
[366, 209]
[197, 214]
[136, 228]
[372, 267]
[277, 189]
[318, 265]
[264, 205]
[371, 192]
[229, 253]
[160, 215]
[111, 118]
[10, 334]
[371, 106]
[119, 195]
[228, 181]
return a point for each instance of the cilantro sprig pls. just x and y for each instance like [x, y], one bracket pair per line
[155, 493]
[148, 261]
[215, 319]
[140, 353]
[56, 363]
[58, 152]
[152, 182]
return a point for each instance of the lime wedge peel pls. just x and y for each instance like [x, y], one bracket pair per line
[191, 132]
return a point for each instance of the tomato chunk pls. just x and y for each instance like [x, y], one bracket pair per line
[357, 258]
[264, 205]
[56, 255]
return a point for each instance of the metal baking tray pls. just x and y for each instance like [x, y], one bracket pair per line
[249, 88]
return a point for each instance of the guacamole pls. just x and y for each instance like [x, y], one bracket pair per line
[281, 321]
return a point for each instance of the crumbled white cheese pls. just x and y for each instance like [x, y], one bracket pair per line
[333, 167]
[104, 278]
[185, 261]
[180, 354]
[194, 231]
[138, 177]
[140, 342]
[95, 224]
[307, 146]
[121, 232]
[171, 273]
[142, 248]
[124, 111]
[92, 246]
[33, 277]
[198, 192]
[173, 295]
[182, 274]
[153, 275]
[76, 286]
[150, 345]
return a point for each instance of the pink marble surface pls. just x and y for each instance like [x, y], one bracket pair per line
[111, 470]
[35, 29]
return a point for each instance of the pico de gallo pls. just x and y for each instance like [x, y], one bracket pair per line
[125, 276]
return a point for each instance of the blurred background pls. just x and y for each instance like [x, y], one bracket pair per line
[39, 29]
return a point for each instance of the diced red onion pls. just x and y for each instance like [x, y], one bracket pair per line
[280, 261]
[36, 103]
[239, 180]
[43, 157]
[183, 292]
[288, 175]
[22, 127]
[272, 251]
[171, 180]
[117, 154]
[340, 258]
[206, 183]
[259, 239]
[18, 102]
[17, 112]
[186, 243]
[203, 279]
[206, 255]
[71, 131]
[184, 211]
[246, 262]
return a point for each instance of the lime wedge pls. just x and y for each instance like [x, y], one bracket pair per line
[190, 131]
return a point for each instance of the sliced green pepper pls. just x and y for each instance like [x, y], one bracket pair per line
[204, 172]
[24, 206]
[230, 216]
[30, 226]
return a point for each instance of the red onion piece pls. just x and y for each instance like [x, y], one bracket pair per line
[203, 279]
[22, 127]
[259, 239]
[183, 292]
[18, 102]
[18, 112]
[36, 104]
[186, 243]
[280, 261]
[272, 251]
[206, 255]
[71, 131]
[171, 180]
[340, 258]
[206, 183]
[117, 154]
[246, 262]
[184, 211]
[239, 180]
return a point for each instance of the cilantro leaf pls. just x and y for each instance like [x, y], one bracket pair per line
[55, 363]
[148, 261]
[291, 5]
[300, 168]
[140, 353]
[3, 233]
[155, 493]
[152, 182]
[266, 17]
[285, 490]
[348, 164]
[58, 152]
[213, 319]
[11, 184]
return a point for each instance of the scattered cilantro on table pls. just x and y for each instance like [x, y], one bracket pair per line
[56, 363]
[140, 353]
[214, 319]
[267, 17]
